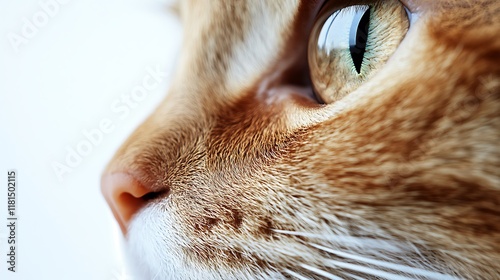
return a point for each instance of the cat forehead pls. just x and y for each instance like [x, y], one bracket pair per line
[229, 46]
[233, 43]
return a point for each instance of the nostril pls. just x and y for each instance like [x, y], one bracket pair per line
[152, 196]
[125, 196]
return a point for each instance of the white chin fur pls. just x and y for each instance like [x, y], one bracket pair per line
[154, 250]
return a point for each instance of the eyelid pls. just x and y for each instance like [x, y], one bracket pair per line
[410, 5]
[412, 16]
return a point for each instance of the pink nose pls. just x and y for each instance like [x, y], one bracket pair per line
[125, 196]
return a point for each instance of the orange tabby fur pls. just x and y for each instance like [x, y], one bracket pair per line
[242, 160]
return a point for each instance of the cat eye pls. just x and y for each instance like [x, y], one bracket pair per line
[348, 44]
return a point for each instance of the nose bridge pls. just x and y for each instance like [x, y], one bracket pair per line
[175, 129]
[161, 148]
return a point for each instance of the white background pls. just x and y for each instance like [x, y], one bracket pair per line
[60, 81]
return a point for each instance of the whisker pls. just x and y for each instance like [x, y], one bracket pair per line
[296, 275]
[351, 241]
[352, 276]
[393, 266]
[367, 270]
[320, 272]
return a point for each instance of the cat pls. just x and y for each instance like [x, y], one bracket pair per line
[320, 140]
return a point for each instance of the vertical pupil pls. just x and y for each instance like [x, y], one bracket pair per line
[358, 37]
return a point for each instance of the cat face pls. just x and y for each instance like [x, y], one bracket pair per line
[320, 139]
